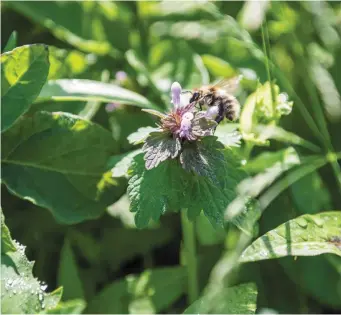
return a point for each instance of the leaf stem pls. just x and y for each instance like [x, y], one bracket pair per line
[189, 243]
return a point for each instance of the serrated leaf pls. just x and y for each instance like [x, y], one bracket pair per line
[21, 292]
[168, 186]
[69, 307]
[141, 294]
[68, 275]
[12, 42]
[23, 73]
[158, 147]
[121, 168]
[213, 196]
[141, 135]
[307, 235]
[203, 158]
[151, 192]
[89, 90]
[66, 171]
[6, 240]
[241, 299]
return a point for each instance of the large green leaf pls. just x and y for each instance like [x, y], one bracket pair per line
[68, 276]
[21, 293]
[307, 235]
[23, 73]
[208, 185]
[90, 26]
[58, 161]
[149, 293]
[88, 90]
[240, 299]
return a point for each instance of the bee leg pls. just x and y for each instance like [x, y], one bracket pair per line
[219, 118]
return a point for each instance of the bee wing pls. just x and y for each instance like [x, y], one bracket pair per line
[229, 85]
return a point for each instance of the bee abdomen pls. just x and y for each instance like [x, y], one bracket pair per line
[232, 108]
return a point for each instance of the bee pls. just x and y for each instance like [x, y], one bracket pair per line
[219, 99]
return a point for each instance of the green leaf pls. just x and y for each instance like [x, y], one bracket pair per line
[68, 276]
[169, 187]
[141, 134]
[142, 294]
[12, 42]
[203, 158]
[21, 292]
[203, 193]
[310, 195]
[240, 299]
[218, 67]
[149, 239]
[68, 63]
[69, 307]
[158, 147]
[88, 90]
[6, 240]
[152, 191]
[23, 73]
[86, 26]
[307, 235]
[66, 171]
[121, 168]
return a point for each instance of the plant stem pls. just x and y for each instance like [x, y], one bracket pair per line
[189, 243]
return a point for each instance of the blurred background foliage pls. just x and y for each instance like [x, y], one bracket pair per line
[107, 262]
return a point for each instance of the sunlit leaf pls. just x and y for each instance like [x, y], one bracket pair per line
[23, 73]
[87, 26]
[68, 63]
[158, 147]
[6, 240]
[21, 292]
[240, 299]
[88, 90]
[141, 134]
[307, 235]
[69, 307]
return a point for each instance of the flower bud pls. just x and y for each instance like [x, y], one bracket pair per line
[176, 92]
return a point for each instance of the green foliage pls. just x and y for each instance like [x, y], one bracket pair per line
[240, 299]
[21, 292]
[87, 90]
[23, 73]
[75, 76]
[68, 276]
[12, 42]
[141, 294]
[209, 186]
[70, 154]
[307, 235]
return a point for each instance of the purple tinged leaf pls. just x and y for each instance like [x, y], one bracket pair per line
[160, 146]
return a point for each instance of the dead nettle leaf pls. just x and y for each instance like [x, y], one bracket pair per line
[160, 146]
[203, 126]
[201, 157]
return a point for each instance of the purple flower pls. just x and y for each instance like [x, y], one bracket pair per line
[110, 107]
[176, 93]
[120, 76]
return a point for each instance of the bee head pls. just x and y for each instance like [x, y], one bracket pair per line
[195, 97]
